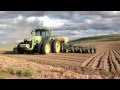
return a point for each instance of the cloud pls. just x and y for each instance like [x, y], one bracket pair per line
[5, 26]
[4, 43]
[16, 25]
[46, 21]
[2, 32]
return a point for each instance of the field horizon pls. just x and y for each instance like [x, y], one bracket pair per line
[92, 39]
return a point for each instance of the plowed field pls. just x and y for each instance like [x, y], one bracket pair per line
[106, 62]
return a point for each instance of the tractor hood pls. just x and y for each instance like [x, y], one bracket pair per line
[34, 39]
[30, 42]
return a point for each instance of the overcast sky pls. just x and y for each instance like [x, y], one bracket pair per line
[16, 25]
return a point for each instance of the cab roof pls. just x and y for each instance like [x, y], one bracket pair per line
[43, 29]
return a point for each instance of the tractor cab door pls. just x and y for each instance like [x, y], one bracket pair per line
[45, 35]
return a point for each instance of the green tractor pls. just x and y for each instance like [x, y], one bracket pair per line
[40, 42]
[43, 43]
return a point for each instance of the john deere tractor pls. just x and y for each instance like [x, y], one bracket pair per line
[40, 42]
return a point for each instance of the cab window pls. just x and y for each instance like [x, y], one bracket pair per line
[47, 34]
[43, 34]
[37, 33]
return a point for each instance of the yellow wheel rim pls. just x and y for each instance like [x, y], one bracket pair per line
[57, 47]
[47, 48]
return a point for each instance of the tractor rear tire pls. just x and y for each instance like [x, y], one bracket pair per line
[20, 50]
[56, 46]
[45, 48]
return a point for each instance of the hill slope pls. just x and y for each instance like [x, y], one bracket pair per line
[103, 38]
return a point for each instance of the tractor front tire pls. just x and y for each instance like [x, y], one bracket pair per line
[20, 50]
[56, 46]
[45, 48]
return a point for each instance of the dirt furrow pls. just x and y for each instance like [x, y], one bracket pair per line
[104, 63]
[112, 64]
[117, 56]
[93, 60]
[118, 51]
[89, 60]
[96, 62]
[101, 62]
[116, 64]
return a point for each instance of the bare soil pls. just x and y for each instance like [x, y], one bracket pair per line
[104, 64]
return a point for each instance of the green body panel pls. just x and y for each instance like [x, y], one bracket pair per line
[34, 40]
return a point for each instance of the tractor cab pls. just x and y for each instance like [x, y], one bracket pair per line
[44, 33]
